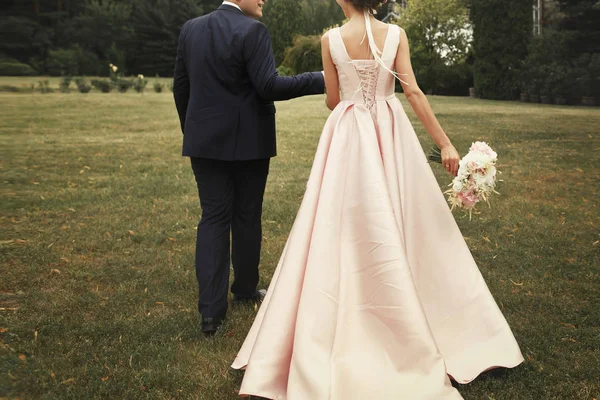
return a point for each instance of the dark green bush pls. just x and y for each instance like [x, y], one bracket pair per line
[158, 87]
[11, 67]
[500, 47]
[65, 83]
[82, 85]
[123, 85]
[587, 75]
[44, 87]
[550, 68]
[304, 55]
[13, 89]
[62, 62]
[72, 61]
[102, 85]
[140, 83]
[284, 71]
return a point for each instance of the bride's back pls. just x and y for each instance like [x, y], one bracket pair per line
[355, 41]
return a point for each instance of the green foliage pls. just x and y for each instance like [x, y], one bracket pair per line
[438, 26]
[587, 75]
[559, 80]
[44, 86]
[63, 61]
[500, 46]
[78, 37]
[304, 55]
[72, 61]
[82, 85]
[284, 71]
[439, 33]
[103, 85]
[531, 73]
[140, 83]
[551, 68]
[158, 86]
[580, 23]
[582, 19]
[65, 84]
[156, 24]
[284, 20]
[23, 36]
[75, 37]
[116, 57]
[123, 85]
[11, 89]
[12, 67]
[103, 27]
[319, 14]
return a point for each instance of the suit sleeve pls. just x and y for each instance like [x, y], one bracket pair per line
[260, 64]
[181, 80]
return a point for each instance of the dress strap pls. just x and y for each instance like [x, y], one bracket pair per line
[336, 47]
[377, 54]
[394, 38]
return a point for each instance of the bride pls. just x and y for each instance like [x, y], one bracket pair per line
[376, 294]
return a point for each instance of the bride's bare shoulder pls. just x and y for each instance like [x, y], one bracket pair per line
[379, 26]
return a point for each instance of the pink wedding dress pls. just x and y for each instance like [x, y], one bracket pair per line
[376, 295]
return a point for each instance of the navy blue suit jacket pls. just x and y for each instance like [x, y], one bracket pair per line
[225, 84]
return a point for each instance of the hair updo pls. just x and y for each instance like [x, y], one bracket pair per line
[367, 4]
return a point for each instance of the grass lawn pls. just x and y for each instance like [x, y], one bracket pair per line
[98, 217]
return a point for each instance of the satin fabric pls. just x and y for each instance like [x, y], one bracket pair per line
[376, 294]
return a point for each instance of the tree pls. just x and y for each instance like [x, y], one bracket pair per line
[284, 20]
[209, 5]
[582, 19]
[502, 30]
[580, 26]
[24, 32]
[103, 29]
[83, 36]
[318, 15]
[440, 34]
[157, 24]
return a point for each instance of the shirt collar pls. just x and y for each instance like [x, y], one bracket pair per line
[229, 3]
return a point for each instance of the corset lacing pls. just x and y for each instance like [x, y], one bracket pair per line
[368, 75]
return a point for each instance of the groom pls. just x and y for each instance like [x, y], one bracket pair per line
[224, 87]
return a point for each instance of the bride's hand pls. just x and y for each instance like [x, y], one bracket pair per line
[450, 159]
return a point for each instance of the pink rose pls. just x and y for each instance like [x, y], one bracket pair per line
[468, 199]
[483, 147]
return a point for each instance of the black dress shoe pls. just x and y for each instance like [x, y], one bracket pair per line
[210, 325]
[257, 297]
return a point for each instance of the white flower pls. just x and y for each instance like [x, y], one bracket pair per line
[491, 176]
[140, 76]
[457, 185]
[114, 68]
[484, 148]
[479, 179]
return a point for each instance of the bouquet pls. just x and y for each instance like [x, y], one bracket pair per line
[476, 178]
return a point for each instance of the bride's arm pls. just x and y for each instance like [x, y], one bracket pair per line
[421, 107]
[332, 86]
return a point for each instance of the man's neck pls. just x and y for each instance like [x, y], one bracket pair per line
[232, 4]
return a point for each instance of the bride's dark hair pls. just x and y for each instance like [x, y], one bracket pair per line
[367, 4]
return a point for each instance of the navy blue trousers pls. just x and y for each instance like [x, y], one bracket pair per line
[231, 196]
